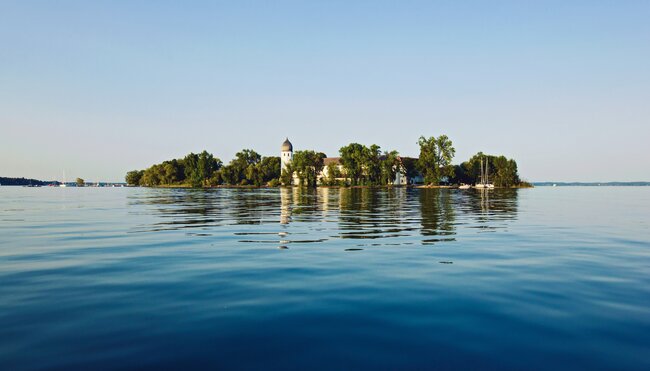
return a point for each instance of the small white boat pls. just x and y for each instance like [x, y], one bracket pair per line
[464, 186]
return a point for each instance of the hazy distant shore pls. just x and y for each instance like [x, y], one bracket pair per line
[591, 184]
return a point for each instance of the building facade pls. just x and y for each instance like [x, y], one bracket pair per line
[286, 156]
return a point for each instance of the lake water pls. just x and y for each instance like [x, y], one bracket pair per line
[106, 278]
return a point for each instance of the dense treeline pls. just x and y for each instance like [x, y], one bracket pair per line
[204, 170]
[368, 165]
[502, 171]
[21, 182]
[357, 165]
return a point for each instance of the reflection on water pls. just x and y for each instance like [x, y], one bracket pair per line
[382, 216]
[136, 278]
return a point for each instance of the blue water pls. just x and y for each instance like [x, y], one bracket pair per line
[125, 278]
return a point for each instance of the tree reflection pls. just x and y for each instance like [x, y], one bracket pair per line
[387, 216]
[437, 215]
[373, 213]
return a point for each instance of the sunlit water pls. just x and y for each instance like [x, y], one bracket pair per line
[106, 278]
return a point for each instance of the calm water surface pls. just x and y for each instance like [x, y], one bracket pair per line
[106, 278]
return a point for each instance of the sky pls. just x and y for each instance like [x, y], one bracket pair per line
[97, 88]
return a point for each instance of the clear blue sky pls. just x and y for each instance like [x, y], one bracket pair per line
[102, 87]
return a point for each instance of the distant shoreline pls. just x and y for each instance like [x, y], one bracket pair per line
[591, 184]
[11, 181]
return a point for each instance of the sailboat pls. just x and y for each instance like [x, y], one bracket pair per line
[485, 176]
[63, 184]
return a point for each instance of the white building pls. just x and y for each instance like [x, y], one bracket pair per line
[286, 156]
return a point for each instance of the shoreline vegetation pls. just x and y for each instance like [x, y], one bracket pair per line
[358, 166]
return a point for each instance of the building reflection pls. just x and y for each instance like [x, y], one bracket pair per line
[285, 205]
[386, 216]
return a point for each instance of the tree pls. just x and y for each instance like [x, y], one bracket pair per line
[253, 175]
[152, 176]
[435, 158]
[247, 157]
[80, 182]
[237, 171]
[205, 167]
[195, 169]
[333, 173]
[372, 162]
[199, 168]
[307, 165]
[228, 175]
[286, 177]
[133, 177]
[390, 165]
[353, 157]
[269, 167]
[502, 171]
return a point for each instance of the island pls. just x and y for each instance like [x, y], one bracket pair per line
[356, 165]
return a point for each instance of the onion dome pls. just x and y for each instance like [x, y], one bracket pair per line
[287, 146]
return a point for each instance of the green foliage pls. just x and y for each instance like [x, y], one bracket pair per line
[249, 168]
[367, 165]
[361, 165]
[286, 177]
[133, 177]
[435, 158]
[269, 169]
[307, 165]
[244, 169]
[247, 157]
[411, 166]
[80, 182]
[197, 170]
[228, 175]
[23, 182]
[502, 171]
[505, 172]
[373, 165]
[353, 157]
[390, 165]
[333, 175]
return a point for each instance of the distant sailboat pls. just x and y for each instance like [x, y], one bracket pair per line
[63, 184]
[485, 176]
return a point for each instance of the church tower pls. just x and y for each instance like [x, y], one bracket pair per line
[286, 154]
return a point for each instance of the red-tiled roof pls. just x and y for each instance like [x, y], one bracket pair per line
[331, 160]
